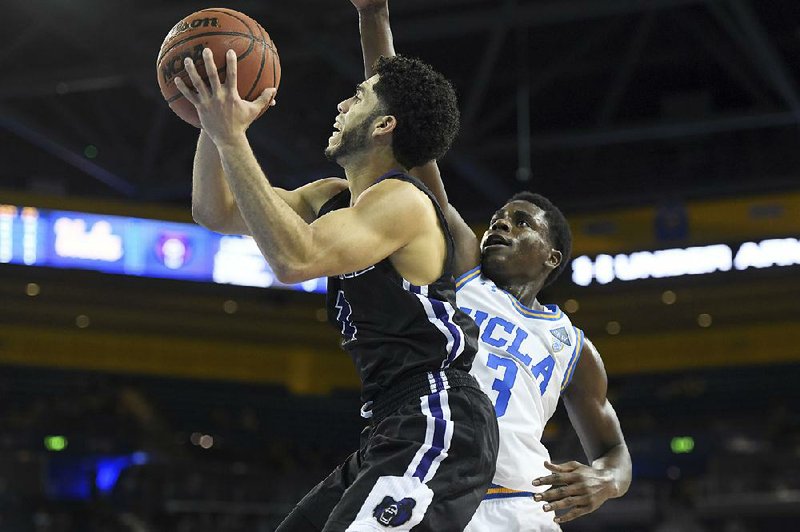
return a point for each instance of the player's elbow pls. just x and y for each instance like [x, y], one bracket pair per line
[291, 272]
[206, 218]
[215, 221]
[627, 471]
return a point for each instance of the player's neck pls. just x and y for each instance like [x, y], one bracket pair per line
[364, 169]
[525, 293]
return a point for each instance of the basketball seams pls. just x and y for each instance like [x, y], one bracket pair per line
[239, 58]
[262, 38]
[211, 34]
[253, 38]
[273, 52]
[224, 12]
[261, 66]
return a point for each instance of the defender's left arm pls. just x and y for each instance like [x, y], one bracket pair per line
[577, 488]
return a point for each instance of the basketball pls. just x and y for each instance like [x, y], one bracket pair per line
[220, 29]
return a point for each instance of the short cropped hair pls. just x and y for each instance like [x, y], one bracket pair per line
[559, 231]
[423, 102]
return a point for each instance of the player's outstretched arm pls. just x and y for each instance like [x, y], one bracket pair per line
[377, 41]
[376, 32]
[579, 489]
[213, 204]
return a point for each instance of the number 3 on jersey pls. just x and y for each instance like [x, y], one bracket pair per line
[502, 385]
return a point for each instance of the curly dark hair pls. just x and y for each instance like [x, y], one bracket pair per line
[559, 231]
[424, 104]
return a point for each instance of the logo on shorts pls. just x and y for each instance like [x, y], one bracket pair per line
[392, 513]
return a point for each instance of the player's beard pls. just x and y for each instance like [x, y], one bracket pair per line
[352, 141]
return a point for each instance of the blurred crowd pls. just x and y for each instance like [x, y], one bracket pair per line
[713, 451]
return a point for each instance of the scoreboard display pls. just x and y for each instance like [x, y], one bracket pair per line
[134, 246]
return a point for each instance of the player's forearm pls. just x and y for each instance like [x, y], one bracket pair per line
[377, 41]
[376, 35]
[617, 463]
[283, 237]
[212, 201]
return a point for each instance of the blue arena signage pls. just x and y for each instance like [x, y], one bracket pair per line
[134, 246]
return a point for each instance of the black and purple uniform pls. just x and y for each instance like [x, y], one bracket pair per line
[428, 454]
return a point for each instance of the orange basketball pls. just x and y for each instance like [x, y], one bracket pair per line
[220, 29]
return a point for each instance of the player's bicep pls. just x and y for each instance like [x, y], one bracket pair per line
[380, 223]
[308, 199]
[467, 247]
[589, 410]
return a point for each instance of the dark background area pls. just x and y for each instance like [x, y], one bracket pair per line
[629, 101]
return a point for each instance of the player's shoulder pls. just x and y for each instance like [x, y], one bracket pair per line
[470, 281]
[328, 186]
[396, 195]
[319, 192]
[589, 373]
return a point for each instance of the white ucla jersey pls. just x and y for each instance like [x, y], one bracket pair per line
[525, 360]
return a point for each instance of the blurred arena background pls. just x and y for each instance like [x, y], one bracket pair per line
[154, 378]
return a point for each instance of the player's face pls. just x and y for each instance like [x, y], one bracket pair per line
[516, 248]
[352, 129]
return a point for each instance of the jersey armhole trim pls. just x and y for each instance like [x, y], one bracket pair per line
[573, 361]
[467, 277]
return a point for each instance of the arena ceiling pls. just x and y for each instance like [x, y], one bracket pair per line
[595, 103]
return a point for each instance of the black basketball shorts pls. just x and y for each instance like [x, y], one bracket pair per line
[424, 465]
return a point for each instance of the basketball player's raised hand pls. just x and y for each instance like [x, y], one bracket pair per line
[575, 487]
[362, 5]
[224, 115]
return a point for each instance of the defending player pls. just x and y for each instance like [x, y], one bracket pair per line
[529, 354]
[430, 450]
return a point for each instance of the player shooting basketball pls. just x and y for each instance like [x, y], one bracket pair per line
[430, 450]
[529, 354]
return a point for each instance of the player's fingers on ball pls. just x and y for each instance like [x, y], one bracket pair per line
[211, 70]
[188, 93]
[265, 98]
[572, 514]
[194, 76]
[231, 74]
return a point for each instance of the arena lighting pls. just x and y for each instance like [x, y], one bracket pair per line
[55, 443]
[134, 246]
[677, 262]
[682, 444]
[109, 469]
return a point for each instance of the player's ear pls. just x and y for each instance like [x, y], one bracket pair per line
[384, 125]
[555, 258]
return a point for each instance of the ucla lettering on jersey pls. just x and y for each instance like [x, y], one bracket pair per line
[525, 361]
